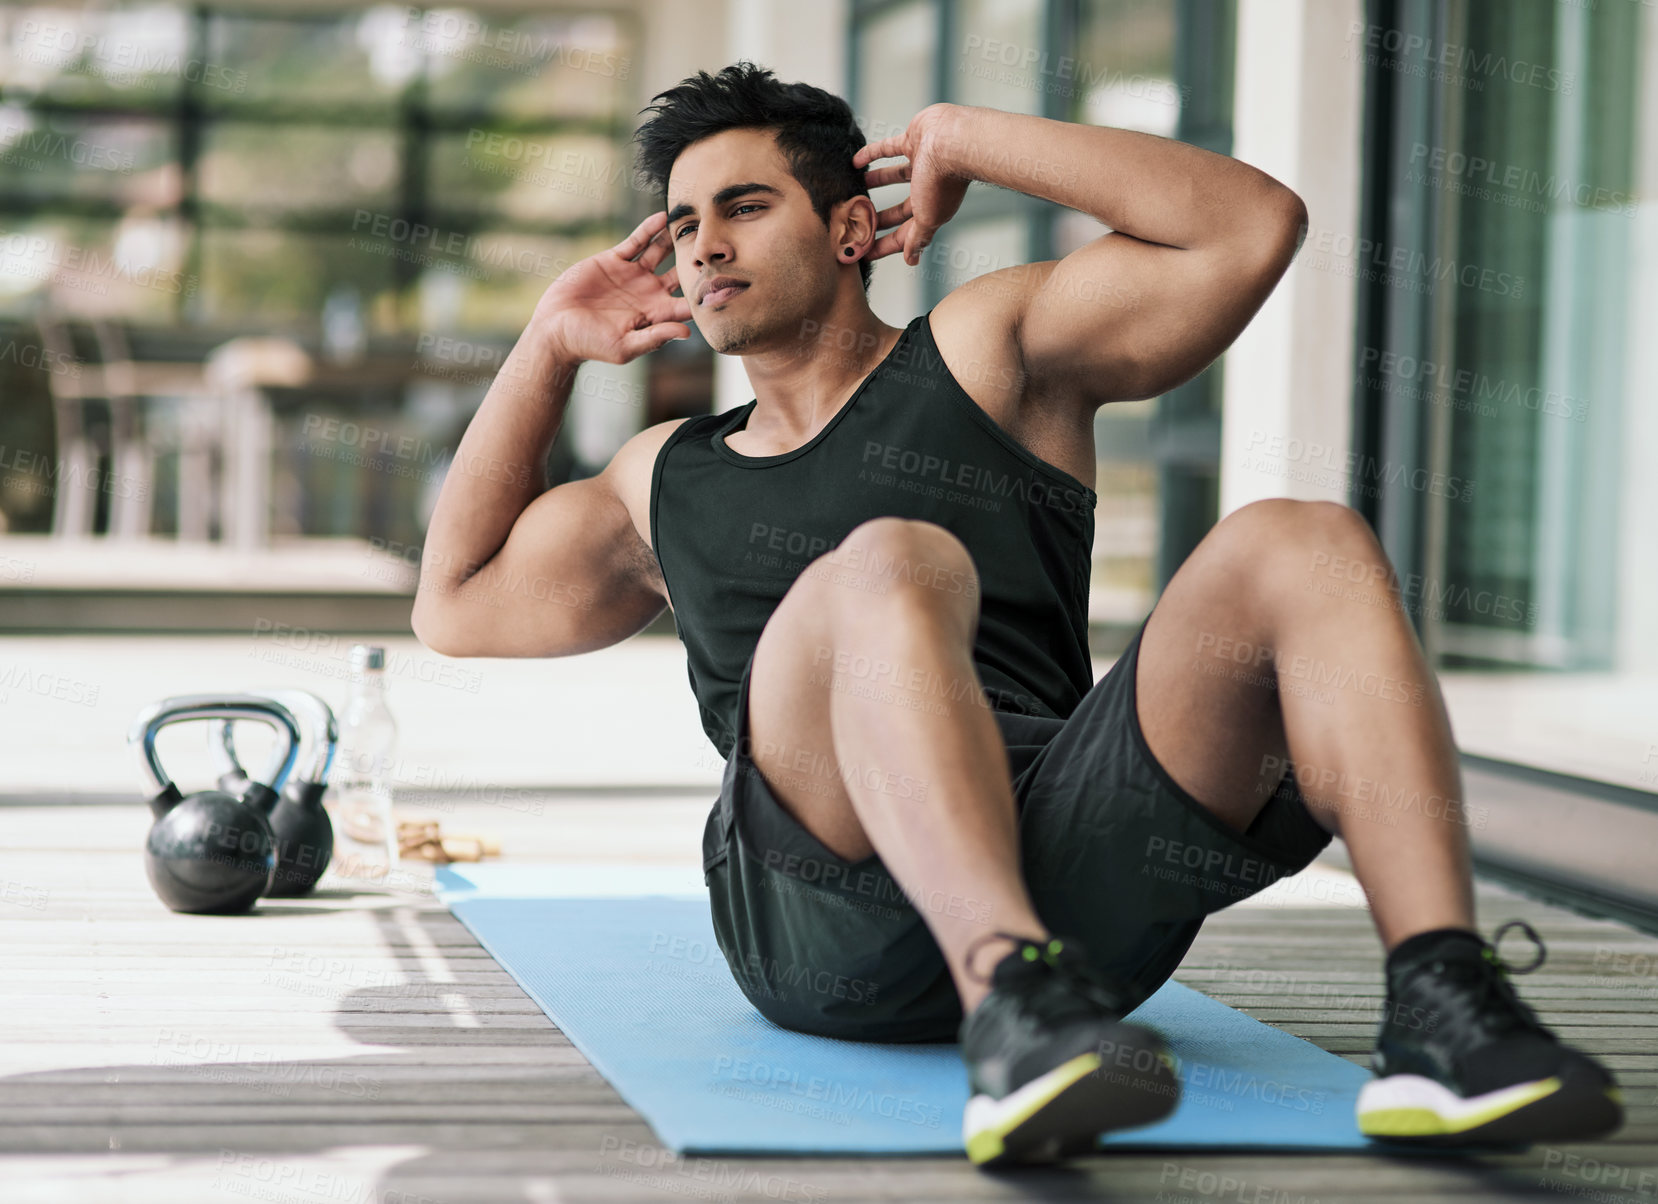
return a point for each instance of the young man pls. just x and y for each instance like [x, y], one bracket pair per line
[879, 568]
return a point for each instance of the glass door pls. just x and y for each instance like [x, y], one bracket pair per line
[1508, 397]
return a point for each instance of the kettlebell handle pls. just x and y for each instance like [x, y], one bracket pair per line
[319, 736]
[184, 708]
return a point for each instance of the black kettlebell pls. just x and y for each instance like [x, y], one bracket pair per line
[304, 834]
[212, 852]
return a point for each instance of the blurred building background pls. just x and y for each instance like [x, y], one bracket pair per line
[258, 262]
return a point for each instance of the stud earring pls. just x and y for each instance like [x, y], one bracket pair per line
[847, 251]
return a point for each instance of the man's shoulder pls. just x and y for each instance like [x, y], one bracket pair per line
[976, 329]
[639, 454]
[631, 469]
[993, 302]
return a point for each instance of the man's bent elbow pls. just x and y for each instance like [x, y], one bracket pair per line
[429, 629]
[1289, 224]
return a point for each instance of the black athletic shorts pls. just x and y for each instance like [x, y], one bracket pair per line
[1115, 854]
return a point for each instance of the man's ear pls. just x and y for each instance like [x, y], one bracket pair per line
[852, 224]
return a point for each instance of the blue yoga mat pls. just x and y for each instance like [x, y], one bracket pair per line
[623, 959]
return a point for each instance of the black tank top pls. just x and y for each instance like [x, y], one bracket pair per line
[732, 532]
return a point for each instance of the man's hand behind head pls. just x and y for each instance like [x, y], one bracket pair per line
[612, 306]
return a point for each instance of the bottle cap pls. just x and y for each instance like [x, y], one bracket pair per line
[368, 656]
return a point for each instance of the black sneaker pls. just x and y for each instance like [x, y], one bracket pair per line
[1462, 1061]
[1050, 1063]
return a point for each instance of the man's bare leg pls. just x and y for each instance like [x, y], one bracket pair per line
[862, 689]
[1247, 660]
[863, 678]
[1283, 634]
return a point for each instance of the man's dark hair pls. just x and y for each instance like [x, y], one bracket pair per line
[815, 130]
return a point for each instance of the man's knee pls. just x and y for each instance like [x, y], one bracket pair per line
[890, 542]
[1289, 542]
[900, 560]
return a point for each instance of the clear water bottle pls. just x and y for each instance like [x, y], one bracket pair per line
[365, 838]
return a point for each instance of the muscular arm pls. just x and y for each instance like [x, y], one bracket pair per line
[512, 568]
[1197, 243]
[570, 575]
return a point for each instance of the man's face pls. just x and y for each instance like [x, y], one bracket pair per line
[734, 210]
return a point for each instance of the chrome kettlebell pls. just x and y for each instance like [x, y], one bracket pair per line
[212, 852]
[304, 834]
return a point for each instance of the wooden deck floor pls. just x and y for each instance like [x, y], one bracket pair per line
[364, 1050]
